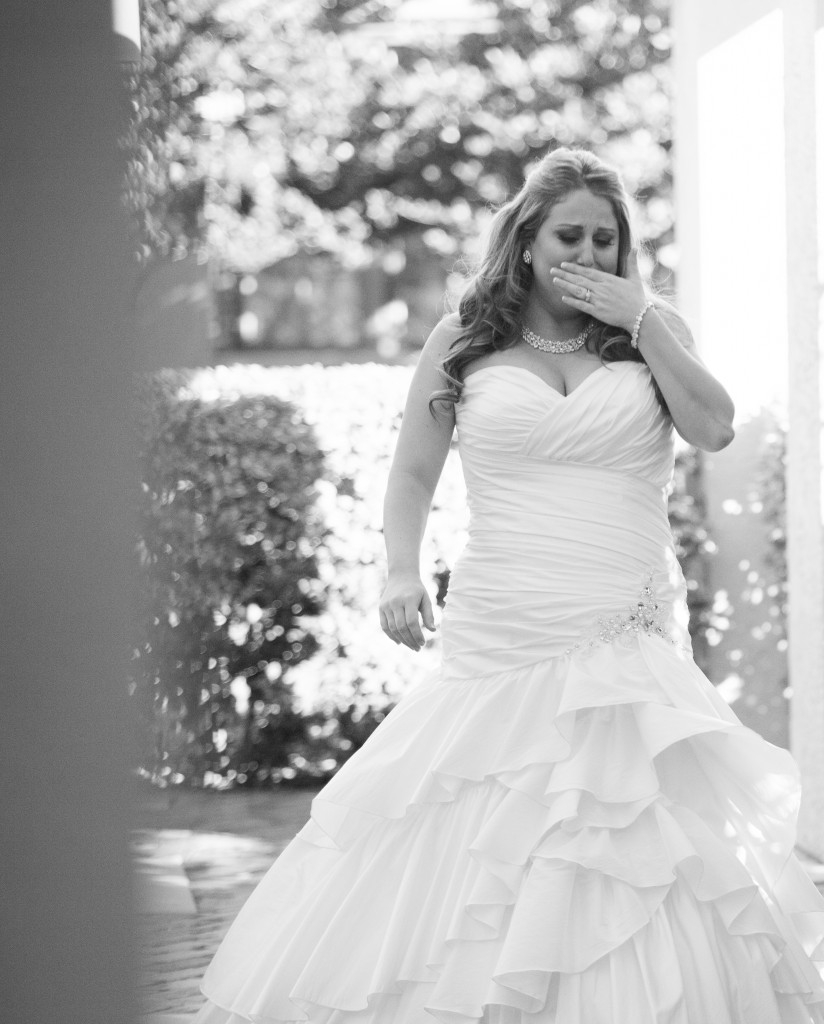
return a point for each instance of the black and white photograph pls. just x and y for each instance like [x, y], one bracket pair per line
[413, 512]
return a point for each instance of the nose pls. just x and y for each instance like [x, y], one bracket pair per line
[585, 253]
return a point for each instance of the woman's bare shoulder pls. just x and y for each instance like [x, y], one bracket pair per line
[439, 342]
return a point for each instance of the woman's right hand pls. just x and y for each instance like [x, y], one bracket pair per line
[404, 598]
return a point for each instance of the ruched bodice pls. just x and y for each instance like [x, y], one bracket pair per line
[612, 420]
[568, 503]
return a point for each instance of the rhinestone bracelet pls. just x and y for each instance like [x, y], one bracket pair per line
[636, 329]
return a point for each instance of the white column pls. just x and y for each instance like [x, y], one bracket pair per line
[126, 28]
[746, 182]
[805, 547]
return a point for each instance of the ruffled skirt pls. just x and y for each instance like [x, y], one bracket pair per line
[590, 839]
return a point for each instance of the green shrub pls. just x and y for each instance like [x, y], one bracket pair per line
[227, 538]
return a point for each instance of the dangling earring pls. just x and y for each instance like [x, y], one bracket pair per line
[527, 257]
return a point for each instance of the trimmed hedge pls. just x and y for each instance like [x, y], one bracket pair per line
[227, 536]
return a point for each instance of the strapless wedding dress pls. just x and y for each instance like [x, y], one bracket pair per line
[566, 824]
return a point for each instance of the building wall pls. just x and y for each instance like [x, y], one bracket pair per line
[311, 302]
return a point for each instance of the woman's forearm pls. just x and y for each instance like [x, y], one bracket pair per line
[405, 511]
[701, 408]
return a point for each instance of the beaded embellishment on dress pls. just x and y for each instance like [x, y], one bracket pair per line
[647, 615]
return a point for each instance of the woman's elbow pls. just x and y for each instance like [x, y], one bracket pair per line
[717, 441]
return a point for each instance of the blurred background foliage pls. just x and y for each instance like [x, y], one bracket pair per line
[264, 130]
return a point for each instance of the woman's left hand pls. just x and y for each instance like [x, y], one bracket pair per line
[613, 300]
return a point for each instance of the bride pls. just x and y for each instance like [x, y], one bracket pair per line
[565, 824]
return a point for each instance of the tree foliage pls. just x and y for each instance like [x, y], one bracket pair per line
[332, 125]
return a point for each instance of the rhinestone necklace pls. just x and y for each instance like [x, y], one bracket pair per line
[548, 345]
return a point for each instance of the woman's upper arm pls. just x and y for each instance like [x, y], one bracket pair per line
[424, 438]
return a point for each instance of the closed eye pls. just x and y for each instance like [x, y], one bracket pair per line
[601, 242]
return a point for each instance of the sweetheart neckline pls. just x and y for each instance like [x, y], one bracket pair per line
[549, 387]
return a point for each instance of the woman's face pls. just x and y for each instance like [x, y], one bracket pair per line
[582, 228]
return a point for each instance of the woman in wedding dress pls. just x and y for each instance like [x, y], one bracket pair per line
[566, 824]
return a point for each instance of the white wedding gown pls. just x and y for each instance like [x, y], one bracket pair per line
[566, 825]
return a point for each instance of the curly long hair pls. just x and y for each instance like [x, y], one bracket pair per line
[491, 306]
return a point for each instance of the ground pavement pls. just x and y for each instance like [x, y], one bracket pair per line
[196, 861]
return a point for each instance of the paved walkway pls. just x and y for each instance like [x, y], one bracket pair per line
[191, 882]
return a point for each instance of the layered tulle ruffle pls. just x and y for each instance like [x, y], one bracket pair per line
[593, 839]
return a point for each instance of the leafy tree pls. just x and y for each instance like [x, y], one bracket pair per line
[228, 89]
[456, 123]
[262, 129]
